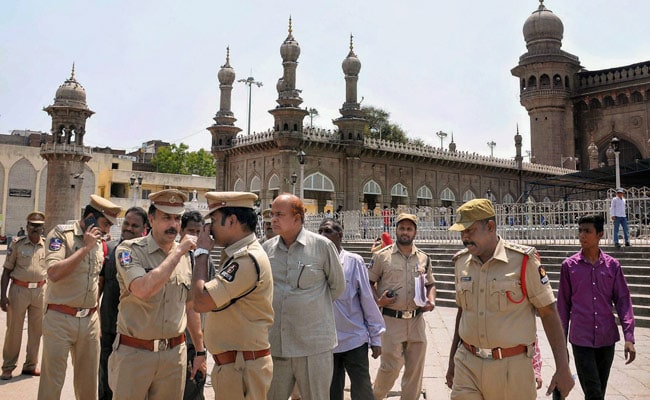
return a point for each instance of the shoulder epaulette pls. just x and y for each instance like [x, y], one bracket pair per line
[519, 248]
[459, 253]
[65, 227]
[17, 239]
[390, 246]
[240, 253]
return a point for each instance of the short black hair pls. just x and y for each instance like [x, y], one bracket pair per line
[92, 210]
[245, 216]
[191, 216]
[596, 219]
[336, 225]
[140, 212]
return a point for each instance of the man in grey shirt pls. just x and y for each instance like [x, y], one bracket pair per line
[307, 277]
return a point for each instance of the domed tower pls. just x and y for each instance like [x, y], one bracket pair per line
[546, 75]
[351, 126]
[223, 130]
[65, 154]
[288, 115]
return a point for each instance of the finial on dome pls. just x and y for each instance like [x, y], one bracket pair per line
[290, 29]
[518, 122]
[452, 137]
[541, 5]
[227, 54]
[72, 73]
[351, 44]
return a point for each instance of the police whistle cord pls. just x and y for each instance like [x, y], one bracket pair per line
[522, 278]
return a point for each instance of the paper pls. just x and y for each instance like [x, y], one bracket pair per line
[420, 297]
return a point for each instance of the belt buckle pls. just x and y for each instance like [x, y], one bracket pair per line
[32, 285]
[160, 345]
[483, 353]
[82, 312]
[407, 314]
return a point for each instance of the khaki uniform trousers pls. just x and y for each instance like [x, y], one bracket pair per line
[475, 378]
[242, 380]
[313, 374]
[142, 374]
[404, 344]
[63, 334]
[23, 300]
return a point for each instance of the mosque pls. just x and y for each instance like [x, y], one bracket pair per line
[574, 115]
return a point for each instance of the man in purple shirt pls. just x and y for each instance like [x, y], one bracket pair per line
[358, 321]
[591, 281]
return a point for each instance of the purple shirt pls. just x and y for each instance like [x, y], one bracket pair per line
[585, 300]
[356, 314]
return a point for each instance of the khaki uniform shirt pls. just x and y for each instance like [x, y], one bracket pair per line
[162, 316]
[26, 260]
[79, 289]
[242, 325]
[392, 270]
[307, 277]
[490, 319]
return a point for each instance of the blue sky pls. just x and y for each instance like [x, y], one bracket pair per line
[149, 67]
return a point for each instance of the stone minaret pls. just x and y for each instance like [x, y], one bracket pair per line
[546, 74]
[352, 126]
[288, 115]
[519, 159]
[66, 155]
[224, 130]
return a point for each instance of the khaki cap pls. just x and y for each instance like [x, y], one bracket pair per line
[108, 209]
[266, 215]
[410, 217]
[169, 201]
[36, 218]
[472, 211]
[217, 200]
[620, 190]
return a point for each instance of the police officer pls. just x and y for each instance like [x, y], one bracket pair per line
[25, 267]
[499, 285]
[155, 273]
[238, 301]
[394, 270]
[74, 257]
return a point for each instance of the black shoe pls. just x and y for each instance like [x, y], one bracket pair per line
[618, 246]
[628, 244]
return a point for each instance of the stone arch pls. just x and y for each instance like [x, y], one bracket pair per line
[557, 81]
[523, 84]
[318, 182]
[594, 104]
[566, 82]
[581, 106]
[544, 82]
[469, 195]
[637, 97]
[608, 101]
[622, 99]
[239, 185]
[256, 184]
[424, 196]
[532, 82]
[447, 195]
[371, 194]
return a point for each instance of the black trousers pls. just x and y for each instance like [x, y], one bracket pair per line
[355, 362]
[106, 343]
[593, 366]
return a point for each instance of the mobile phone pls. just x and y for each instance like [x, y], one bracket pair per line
[90, 222]
[556, 394]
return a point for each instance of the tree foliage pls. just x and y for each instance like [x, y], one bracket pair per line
[177, 160]
[382, 127]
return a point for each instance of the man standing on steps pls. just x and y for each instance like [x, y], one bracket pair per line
[618, 214]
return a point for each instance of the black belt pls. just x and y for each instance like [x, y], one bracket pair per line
[401, 314]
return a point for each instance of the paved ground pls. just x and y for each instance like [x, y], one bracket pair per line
[629, 382]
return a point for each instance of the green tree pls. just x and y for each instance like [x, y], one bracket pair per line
[177, 160]
[381, 126]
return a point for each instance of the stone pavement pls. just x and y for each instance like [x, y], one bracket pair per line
[627, 382]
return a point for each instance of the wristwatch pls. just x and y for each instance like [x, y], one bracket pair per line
[200, 252]
[201, 353]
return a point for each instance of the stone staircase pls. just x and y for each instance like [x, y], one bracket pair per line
[633, 259]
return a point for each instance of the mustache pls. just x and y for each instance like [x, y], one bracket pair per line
[468, 243]
[172, 231]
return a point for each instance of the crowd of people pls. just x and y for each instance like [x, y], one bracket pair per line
[290, 314]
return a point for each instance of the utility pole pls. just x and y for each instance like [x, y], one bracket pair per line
[491, 145]
[442, 135]
[250, 81]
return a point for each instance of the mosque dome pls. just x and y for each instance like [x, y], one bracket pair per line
[351, 65]
[543, 26]
[290, 50]
[70, 93]
[226, 74]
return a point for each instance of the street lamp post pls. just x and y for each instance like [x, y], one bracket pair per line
[491, 145]
[616, 146]
[136, 183]
[442, 135]
[250, 81]
[294, 179]
[301, 161]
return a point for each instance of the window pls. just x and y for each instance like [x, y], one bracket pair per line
[399, 190]
[447, 195]
[424, 193]
[239, 186]
[371, 187]
[318, 182]
[468, 195]
[274, 182]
